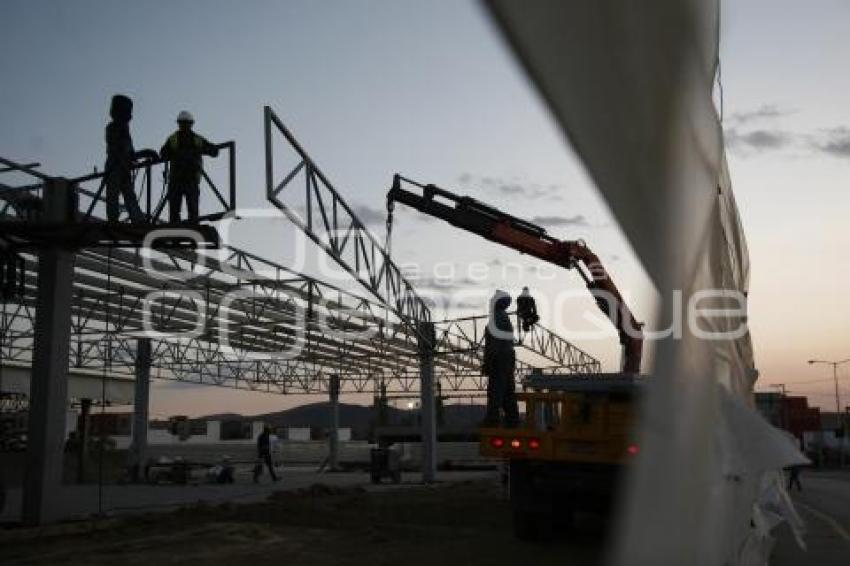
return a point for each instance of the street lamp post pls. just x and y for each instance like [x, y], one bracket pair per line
[834, 377]
[835, 365]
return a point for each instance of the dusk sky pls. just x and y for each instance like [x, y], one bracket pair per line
[371, 88]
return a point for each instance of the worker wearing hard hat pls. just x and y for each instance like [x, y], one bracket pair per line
[499, 363]
[184, 150]
[119, 161]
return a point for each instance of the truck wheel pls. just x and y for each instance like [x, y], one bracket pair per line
[532, 526]
[525, 525]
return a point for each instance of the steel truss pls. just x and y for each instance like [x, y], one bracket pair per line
[229, 318]
[332, 225]
[331, 331]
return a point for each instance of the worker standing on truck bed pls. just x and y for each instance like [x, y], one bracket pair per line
[526, 310]
[499, 362]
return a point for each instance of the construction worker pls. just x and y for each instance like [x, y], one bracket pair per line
[184, 150]
[119, 161]
[264, 455]
[526, 310]
[794, 478]
[499, 363]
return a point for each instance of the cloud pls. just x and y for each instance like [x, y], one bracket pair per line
[511, 188]
[368, 215]
[470, 305]
[446, 303]
[757, 140]
[444, 283]
[763, 112]
[577, 220]
[836, 142]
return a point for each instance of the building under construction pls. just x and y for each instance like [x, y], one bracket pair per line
[165, 301]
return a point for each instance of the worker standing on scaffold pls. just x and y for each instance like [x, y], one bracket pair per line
[119, 161]
[184, 151]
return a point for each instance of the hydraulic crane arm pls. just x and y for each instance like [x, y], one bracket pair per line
[488, 222]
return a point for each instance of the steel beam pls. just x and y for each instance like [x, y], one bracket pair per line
[333, 434]
[428, 410]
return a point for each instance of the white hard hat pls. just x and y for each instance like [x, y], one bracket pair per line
[185, 116]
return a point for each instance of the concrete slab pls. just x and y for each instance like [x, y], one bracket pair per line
[83, 501]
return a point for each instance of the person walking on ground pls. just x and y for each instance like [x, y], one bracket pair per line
[499, 363]
[264, 455]
[794, 478]
[119, 161]
[184, 151]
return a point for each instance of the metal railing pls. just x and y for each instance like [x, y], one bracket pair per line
[151, 202]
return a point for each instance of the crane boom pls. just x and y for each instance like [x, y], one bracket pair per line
[491, 223]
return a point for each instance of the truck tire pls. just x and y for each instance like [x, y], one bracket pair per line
[525, 525]
[532, 526]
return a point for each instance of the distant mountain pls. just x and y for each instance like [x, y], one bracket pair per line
[221, 417]
[357, 417]
[463, 415]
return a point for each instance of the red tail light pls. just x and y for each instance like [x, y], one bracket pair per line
[633, 449]
[497, 442]
[534, 444]
[516, 443]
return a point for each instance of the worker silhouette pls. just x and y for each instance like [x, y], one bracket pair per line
[119, 161]
[264, 455]
[184, 151]
[499, 363]
[526, 310]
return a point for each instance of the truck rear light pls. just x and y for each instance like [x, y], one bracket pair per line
[534, 444]
[497, 442]
[633, 449]
[516, 443]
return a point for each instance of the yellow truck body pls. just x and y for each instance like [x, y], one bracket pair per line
[570, 448]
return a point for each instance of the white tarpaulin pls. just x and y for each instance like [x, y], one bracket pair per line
[631, 85]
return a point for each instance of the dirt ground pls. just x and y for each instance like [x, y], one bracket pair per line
[462, 523]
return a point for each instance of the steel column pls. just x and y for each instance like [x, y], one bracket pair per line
[333, 433]
[427, 338]
[141, 406]
[83, 434]
[49, 382]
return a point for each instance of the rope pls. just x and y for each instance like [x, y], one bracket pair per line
[106, 367]
[388, 241]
